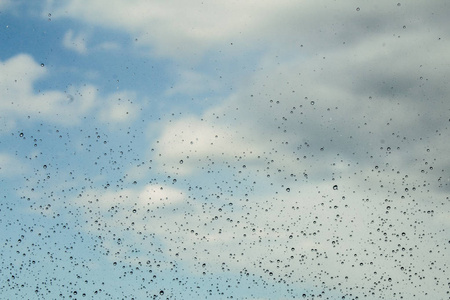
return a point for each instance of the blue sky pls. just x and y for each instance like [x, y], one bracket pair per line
[224, 150]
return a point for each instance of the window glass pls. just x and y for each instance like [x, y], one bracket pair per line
[224, 149]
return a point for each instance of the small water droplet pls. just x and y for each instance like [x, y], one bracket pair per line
[335, 187]
[181, 161]
[42, 65]
[312, 102]
[44, 166]
[288, 190]
[357, 9]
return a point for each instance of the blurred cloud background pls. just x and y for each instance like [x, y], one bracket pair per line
[224, 149]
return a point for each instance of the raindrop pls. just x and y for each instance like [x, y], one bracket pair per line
[335, 187]
[357, 9]
[161, 293]
[44, 166]
[181, 161]
[21, 134]
[312, 102]
[42, 64]
[288, 190]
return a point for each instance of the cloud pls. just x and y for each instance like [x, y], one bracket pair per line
[176, 28]
[191, 83]
[108, 46]
[19, 97]
[11, 166]
[74, 42]
[369, 118]
[5, 4]
[327, 167]
[119, 108]
[188, 143]
[181, 30]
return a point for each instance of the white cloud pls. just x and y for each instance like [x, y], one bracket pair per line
[181, 30]
[74, 42]
[108, 46]
[190, 83]
[119, 108]
[5, 4]
[187, 143]
[19, 98]
[11, 166]
[178, 28]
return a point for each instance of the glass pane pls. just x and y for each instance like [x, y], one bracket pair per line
[224, 149]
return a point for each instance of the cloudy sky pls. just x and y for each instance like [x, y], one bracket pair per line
[224, 149]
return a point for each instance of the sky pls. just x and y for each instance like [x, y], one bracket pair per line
[224, 149]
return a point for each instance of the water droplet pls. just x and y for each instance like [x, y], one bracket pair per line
[21, 134]
[357, 9]
[44, 166]
[161, 293]
[288, 190]
[335, 187]
[181, 161]
[42, 65]
[312, 102]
